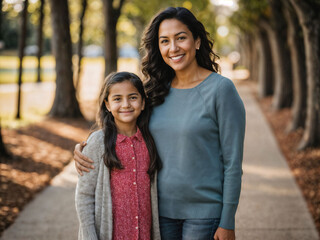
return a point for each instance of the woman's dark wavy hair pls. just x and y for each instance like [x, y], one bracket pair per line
[157, 73]
[106, 122]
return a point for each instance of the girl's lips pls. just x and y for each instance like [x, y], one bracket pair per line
[126, 111]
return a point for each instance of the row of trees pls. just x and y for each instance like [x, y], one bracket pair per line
[137, 12]
[280, 40]
[65, 102]
[62, 43]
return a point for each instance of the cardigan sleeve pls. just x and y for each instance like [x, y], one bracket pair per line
[85, 190]
[231, 121]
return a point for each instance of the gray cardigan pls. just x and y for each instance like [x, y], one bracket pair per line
[93, 196]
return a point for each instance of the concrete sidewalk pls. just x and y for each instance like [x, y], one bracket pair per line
[271, 204]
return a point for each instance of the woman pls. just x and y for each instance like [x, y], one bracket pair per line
[198, 124]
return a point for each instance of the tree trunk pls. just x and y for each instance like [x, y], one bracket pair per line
[3, 150]
[250, 54]
[22, 44]
[40, 37]
[247, 51]
[110, 45]
[111, 18]
[254, 71]
[280, 64]
[0, 20]
[65, 103]
[80, 42]
[265, 77]
[242, 51]
[307, 13]
[296, 46]
[140, 24]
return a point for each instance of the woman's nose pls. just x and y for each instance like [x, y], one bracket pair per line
[174, 47]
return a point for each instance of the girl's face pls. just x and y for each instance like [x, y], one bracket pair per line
[177, 45]
[125, 103]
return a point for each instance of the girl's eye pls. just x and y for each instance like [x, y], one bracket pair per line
[134, 97]
[181, 38]
[116, 99]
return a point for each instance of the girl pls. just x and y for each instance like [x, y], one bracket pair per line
[198, 124]
[118, 198]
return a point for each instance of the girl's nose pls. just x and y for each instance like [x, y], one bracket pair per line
[126, 103]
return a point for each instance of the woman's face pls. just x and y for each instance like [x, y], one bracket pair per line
[177, 45]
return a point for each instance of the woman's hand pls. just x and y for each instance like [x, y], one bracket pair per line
[82, 163]
[224, 234]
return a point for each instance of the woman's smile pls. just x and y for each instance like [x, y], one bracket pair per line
[177, 58]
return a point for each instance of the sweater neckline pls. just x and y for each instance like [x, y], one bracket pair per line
[198, 85]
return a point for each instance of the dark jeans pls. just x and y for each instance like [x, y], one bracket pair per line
[188, 229]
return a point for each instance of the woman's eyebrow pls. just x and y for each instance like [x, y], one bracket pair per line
[180, 33]
[174, 35]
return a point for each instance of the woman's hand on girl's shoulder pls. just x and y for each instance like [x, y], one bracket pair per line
[82, 163]
[224, 234]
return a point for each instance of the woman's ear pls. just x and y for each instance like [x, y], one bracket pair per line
[107, 105]
[198, 43]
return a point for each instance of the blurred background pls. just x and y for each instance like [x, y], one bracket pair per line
[54, 55]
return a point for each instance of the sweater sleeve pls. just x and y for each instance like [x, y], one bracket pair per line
[85, 190]
[231, 121]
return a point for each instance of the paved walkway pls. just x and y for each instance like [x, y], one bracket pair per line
[271, 204]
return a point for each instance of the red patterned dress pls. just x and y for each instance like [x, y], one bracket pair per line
[130, 190]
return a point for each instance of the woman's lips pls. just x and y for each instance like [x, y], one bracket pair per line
[177, 58]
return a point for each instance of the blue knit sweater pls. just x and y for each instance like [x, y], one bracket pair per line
[199, 133]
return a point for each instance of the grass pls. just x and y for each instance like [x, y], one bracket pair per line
[12, 123]
[36, 105]
[9, 69]
[9, 66]
[12, 62]
[12, 77]
[33, 115]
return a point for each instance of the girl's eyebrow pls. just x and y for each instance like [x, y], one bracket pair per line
[119, 95]
[133, 94]
[174, 35]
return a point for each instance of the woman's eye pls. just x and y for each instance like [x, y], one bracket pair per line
[163, 41]
[181, 38]
[133, 98]
[116, 99]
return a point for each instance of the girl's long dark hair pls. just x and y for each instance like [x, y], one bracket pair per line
[106, 122]
[157, 73]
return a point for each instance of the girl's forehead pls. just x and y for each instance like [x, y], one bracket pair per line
[123, 87]
[119, 84]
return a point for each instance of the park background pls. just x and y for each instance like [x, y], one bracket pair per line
[54, 55]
